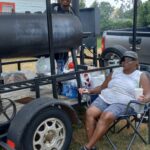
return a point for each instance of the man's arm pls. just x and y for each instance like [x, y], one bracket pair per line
[145, 84]
[98, 89]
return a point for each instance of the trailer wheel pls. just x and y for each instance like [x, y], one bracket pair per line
[50, 129]
[111, 57]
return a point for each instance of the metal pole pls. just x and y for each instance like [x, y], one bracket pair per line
[134, 25]
[1, 80]
[50, 44]
[74, 58]
[75, 6]
[148, 113]
[82, 55]
[0, 67]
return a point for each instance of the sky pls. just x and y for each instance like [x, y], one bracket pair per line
[89, 2]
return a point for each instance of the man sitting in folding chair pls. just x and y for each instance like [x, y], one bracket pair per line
[114, 95]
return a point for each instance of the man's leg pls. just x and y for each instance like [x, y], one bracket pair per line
[108, 116]
[104, 122]
[92, 116]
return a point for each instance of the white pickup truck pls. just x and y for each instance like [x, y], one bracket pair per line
[116, 42]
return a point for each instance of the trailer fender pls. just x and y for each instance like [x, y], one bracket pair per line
[25, 115]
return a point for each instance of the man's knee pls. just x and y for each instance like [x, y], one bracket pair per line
[107, 117]
[93, 112]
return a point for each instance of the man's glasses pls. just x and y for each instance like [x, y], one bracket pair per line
[128, 59]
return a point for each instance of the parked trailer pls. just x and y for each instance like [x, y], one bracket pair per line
[45, 123]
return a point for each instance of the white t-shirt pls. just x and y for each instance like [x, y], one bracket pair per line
[121, 87]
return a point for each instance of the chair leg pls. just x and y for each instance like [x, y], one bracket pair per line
[136, 132]
[125, 126]
[135, 129]
[110, 141]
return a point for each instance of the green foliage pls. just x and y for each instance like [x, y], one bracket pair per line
[111, 18]
[105, 10]
[95, 4]
[98, 42]
[128, 14]
[125, 4]
[117, 18]
[105, 15]
[82, 3]
[121, 23]
[144, 14]
[119, 13]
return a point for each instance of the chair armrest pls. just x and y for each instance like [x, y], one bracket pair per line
[86, 97]
[136, 102]
[146, 105]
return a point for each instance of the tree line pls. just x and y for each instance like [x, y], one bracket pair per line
[121, 17]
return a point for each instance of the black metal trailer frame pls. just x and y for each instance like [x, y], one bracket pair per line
[37, 82]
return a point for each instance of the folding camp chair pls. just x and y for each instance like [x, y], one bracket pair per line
[138, 118]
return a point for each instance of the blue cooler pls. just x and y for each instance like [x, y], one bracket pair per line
[69, 90]
[65, 89]
[73, 93]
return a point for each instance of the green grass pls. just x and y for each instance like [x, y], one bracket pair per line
[99, 42]
[121, 140]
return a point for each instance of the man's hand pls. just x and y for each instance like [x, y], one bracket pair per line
[83, 91]
[142, 98]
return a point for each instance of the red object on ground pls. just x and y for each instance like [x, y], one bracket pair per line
[71, 65]
[7, 7]
[11, 144]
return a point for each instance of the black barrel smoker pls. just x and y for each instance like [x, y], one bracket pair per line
[23, 35]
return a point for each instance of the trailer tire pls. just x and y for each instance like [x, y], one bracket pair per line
[50, 129]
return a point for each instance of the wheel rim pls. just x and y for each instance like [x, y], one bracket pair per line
[49, 135]
[111, 59]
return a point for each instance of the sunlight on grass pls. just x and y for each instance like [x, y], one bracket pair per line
[13, 67]
[98, 42]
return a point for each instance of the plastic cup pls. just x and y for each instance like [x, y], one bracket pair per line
[138, 92]
[138, 108]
